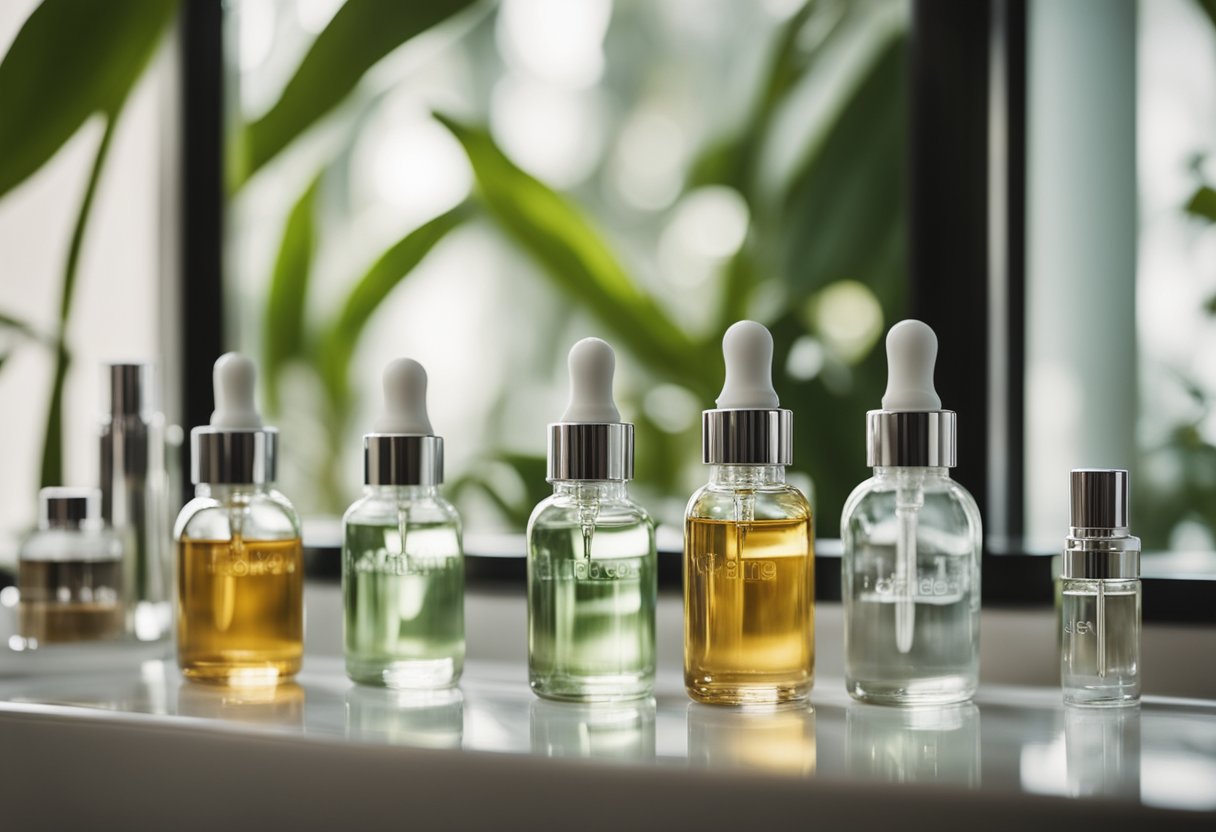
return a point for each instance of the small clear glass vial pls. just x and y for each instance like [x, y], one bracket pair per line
[592, 564]
[749, 561]
[402, 560]
[240, 570]
[70, 572]
[1100, 594]
[912, 541]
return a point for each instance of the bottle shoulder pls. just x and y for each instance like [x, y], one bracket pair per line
[63, 544]
[565, 510]
[781, 501]
[944, 510]
[261, 515]
[385, 509]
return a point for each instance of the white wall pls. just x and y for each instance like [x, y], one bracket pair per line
[115, 312]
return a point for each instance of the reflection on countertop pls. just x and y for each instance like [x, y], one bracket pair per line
[914, 745]
[618, 731]
[1011, 740]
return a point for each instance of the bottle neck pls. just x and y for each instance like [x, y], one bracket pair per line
[746, 476]
[230, 491]
[588, 490]
[401, 493]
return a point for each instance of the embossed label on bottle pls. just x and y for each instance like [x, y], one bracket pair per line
[751, 569]
[1073, 627]
[252, 561]
[386, 563]
[587, 570]
[944, 583]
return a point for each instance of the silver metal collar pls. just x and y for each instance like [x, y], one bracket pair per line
[233, 457]
[590, 451]
[397, 459]
[924, 439]
[747, 437]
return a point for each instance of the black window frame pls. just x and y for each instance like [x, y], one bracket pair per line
[967, 109]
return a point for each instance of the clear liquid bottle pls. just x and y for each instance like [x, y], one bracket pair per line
[240, 572]
[1100, 609]
[592, 565]
[912, 537]
[70, 572]
[402, 561]
[749, 566]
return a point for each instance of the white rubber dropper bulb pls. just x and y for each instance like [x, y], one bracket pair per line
[592, 363]
[911, 355]
[233, 377]
[747, 348]
[404, 400]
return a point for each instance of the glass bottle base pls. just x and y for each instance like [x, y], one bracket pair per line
[593, 688]
[936, 690]
[411, 674]
[1103, 697]
[710, 693]
[240, 673]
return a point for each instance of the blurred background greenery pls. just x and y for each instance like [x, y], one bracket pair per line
[479, 186]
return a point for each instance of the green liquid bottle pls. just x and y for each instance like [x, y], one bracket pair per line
[592, 567]
[402, 562]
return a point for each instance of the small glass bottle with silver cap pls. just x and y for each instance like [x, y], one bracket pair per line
[912, 536]
[1100, 609]
[402, 562]
[592, 565]
[240, 570]
[749, 564]
[70, 572]
[134, 494]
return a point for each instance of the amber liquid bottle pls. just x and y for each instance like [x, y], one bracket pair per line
[240, 574]
[749, 583]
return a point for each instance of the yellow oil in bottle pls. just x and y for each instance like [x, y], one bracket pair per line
[749, 631]
[240, 608]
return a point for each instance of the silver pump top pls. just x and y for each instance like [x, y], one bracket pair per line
[402, 448]
[911, 429]
[749, 426]
[68, 508]
[1099, 546]
[1098, 498]
[128, 391]
[236, 448]
[591, 442]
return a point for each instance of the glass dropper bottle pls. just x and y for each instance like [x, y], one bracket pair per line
[592, 565]
[911, 567]
[240, 570]
[402, 560]
[749, 561]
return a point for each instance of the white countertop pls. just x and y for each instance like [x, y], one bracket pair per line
[63, 716]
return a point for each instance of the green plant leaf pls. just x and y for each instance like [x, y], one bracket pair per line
[575, 257]
[733, 160]
[1203, 203]
[392, 267]
[22, 328]
[850, 188]
[69, 61]
[1209, 8]
[283, 320]
[359, 35]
